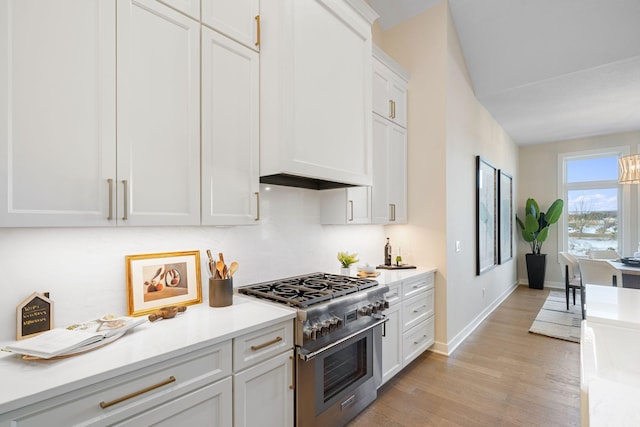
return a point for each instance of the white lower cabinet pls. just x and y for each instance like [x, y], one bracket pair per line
[410, 329]
[195, 386]
[244, 381]
[263, 383]
[263, 394]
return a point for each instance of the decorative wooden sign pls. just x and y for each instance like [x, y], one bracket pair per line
[34, 316]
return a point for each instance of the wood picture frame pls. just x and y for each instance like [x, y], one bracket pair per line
[161, 280]
[486, 221]
[505, 217]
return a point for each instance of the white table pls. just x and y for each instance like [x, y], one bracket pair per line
[630, 275]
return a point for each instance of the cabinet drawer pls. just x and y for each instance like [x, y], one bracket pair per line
[394, 295]
[417, 309]
[105, 403]
[416, 285]
[417, 340]
[257, 346]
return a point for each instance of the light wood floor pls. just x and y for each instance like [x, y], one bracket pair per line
[502, 375]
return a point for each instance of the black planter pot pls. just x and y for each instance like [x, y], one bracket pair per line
[536, 265]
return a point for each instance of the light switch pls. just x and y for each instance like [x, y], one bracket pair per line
[457, 245]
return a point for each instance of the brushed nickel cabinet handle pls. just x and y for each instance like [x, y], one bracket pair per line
[394, 109]
[257, 18]
[126, 196]
[391, 108]
[393, 210]
[350, 210]
[257, 205]
[169, 380]
[110, 217]
[293, 373]
[266, 344]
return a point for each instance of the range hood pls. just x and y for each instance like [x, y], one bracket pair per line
[302, 182]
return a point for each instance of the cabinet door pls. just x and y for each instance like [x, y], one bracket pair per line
[380, 209]
[263, 394]
[234, 18]
[397, 174]
[230, 137]
[57, 112]
[345, 206]
[208, 406]
[392, 343]
[389, 96]
[158, 115]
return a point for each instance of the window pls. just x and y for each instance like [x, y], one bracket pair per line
[593, 202]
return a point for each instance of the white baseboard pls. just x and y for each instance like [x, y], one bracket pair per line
[547, 284]
[447, 349]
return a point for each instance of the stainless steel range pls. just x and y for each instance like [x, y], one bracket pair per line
[338, 333]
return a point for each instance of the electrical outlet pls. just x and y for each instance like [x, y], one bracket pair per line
[457, 245]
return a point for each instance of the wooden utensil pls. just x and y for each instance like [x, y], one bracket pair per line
[211, 263]
[220, 269]
[232, 268]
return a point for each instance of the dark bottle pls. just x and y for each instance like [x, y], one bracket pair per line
[387, 253]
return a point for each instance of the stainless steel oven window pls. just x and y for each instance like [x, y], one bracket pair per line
[341, 370]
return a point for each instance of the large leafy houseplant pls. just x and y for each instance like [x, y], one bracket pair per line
[535, 228]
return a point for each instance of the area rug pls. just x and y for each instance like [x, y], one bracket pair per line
[555, 321]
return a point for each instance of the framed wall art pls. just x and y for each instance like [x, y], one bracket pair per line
[486, 221]
[161, 280]
[505, 209]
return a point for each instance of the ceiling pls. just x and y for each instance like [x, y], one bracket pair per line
[547, 70]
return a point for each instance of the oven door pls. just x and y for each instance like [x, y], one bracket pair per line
[338, 381]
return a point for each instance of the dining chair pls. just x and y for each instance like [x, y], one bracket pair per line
[609, 254]
[598, 272]
[571, 275]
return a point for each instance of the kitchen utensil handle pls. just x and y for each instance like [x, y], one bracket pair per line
[308, 355]
[266, 344]
[350, 210]
[169, 380]
[257, 18]
[257, 205]
[110, 217]
[126, 196]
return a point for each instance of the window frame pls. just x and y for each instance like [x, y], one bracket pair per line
[624, 202]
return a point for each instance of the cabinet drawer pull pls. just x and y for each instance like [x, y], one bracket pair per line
[293, 373]
[350, 210]
[417, 310]
[169, 380]
[126, 196]
[257, 205]
[257, 18]
[420, 340]
[266, 344]
[391, 108]
[419, 285]
[110, 217]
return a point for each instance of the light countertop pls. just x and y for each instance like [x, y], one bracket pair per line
[390, 276]
[613, 305]
[27, 382]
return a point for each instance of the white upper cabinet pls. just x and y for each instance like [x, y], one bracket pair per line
[189, 7]
[345, 206]
[230, 134]
[389, 190]
[238, 19]
[158, 171]
[315, 80]
[389, 88]
[57, 112]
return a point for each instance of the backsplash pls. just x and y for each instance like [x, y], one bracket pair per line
[84, 268]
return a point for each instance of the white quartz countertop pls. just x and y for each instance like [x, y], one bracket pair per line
[26, 382]
[613, 305]
[390, 276]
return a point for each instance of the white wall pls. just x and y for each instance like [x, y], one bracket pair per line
[84, 268]
[538, 165]
[447, 129]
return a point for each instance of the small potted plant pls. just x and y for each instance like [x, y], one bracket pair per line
[346, 259]
[535, 230]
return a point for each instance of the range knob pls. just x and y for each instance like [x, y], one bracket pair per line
[310, 332]
[365, 310]
[322, 329]
[334, 323]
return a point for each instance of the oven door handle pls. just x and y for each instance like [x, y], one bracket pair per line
[309, 355]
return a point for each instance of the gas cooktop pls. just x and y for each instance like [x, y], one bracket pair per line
[309, 289]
